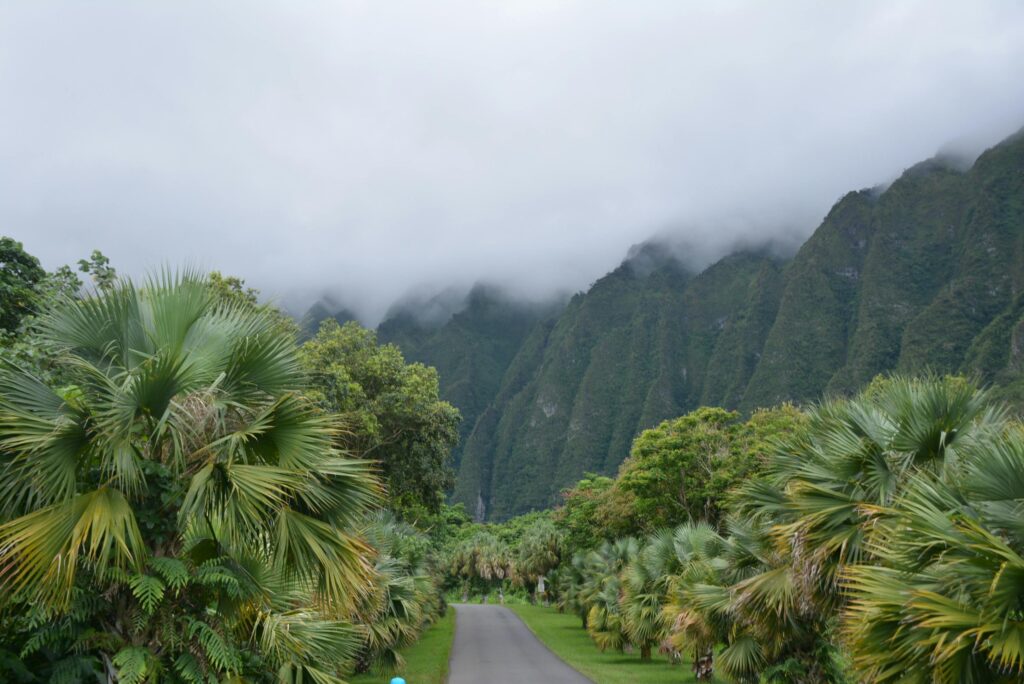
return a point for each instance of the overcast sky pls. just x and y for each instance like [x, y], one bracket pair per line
[373, 148]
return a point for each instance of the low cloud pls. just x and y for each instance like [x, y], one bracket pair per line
[370, 150]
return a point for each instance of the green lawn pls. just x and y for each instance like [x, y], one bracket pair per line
[426, 661]
[563, 635]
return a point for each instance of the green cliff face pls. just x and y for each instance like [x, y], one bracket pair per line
[811, 328]
[925, 274]
[471, 350]
[640, 346]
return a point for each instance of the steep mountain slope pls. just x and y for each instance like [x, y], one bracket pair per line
[320, 312]
[908, 279]
[927, 273]
[632, 351]
[471, 349]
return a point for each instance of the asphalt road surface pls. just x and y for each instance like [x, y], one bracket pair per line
[493, 646]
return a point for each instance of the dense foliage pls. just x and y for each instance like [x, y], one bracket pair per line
[175, 505]
[20, 276]
[871, 539]
[595, 510]
[683, 468]
[679, 471]
[179, 469]
[391, 410]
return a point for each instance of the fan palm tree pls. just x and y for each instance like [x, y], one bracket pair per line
[861, 453]
[604, 619]
[820, 498]
[180, 475]
[696, 574]
[601, 591]
[571, 587]
[948, 604]
[646, 582]
[538, 553]
[403, 598]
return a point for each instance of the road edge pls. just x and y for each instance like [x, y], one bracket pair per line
[541, 642]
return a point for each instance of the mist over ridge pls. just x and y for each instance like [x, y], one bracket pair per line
[432, 307]
[367, 150]
[921, 275]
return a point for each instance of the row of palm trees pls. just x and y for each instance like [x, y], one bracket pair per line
[483, 563]
[883, 543]
[404, 597]
[172, 507]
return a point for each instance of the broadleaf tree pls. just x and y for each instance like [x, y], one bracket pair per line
[393, 413]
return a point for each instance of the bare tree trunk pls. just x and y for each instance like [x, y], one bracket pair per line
[645, 652]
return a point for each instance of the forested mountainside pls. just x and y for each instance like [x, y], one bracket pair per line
[471, 350]
[635, 349]
[320, 312]
[924, 274]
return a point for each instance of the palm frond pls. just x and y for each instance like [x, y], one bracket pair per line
[39, 552]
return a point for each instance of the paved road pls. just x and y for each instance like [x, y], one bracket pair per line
[493, 646]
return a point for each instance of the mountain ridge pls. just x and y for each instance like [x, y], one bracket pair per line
[923, 274]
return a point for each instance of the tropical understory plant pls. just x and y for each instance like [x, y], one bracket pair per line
[404, 598]
[175, 510]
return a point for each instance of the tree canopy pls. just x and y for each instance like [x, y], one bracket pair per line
[20, 276]
[391, 409]
[682, 469]
[179, 494]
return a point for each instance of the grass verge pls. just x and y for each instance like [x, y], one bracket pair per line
[564, 636]
[426, 661]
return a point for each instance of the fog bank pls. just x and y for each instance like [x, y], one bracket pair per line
[370, 150]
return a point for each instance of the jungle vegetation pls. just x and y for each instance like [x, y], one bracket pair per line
[183, 500]
[870, 539]
[776, 470]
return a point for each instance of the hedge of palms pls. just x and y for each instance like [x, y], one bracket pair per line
[884, 543]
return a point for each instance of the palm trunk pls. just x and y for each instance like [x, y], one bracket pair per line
[704, 665]
[645, 653]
